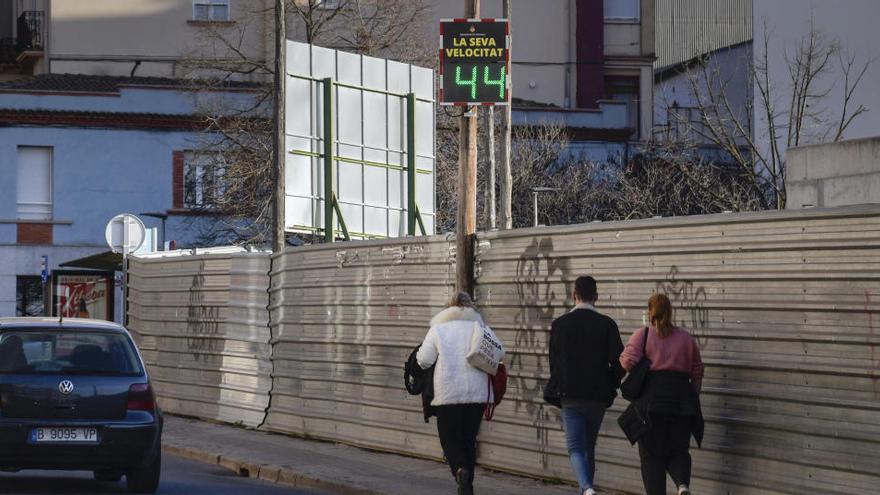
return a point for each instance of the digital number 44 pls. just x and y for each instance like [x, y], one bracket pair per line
[487, 80]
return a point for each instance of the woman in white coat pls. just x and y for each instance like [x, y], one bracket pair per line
[461, 391]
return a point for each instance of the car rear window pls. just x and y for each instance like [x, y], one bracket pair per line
[81, 352]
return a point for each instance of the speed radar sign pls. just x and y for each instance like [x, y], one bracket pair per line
[474, 62]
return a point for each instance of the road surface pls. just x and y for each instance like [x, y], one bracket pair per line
[179, 477]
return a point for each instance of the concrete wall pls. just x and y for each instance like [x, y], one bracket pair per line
[838, 174]
[782, 305]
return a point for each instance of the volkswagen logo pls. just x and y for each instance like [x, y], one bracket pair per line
[65, 387]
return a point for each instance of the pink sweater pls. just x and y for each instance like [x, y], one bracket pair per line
[677, 352]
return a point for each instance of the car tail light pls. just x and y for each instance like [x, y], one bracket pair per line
[140, 397]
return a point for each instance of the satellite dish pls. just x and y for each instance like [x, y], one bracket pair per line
[125, 233]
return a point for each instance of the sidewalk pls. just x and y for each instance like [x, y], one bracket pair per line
[328, 467]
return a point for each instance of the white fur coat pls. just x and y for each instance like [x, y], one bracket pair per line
[446, 345]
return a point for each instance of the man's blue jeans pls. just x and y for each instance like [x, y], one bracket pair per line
[581, 420]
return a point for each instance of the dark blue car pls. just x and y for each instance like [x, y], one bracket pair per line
[75, 395]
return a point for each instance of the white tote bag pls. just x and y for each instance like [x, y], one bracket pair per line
[486, 350]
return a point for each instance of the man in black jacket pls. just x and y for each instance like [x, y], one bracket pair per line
[585, 373]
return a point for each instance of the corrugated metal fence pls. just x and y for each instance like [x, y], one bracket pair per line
[345, 318]
[201, 322]
[783, 305]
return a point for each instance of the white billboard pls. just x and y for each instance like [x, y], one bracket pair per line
[368, 112]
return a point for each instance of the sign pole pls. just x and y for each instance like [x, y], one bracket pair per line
[491, 223]
[506, 175]
[125, 271]
[466, 224]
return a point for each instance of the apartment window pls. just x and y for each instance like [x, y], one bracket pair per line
[623, 10]
[29, 296]
[211, 10]
[204, 180]
[626, 89]
[34, 183]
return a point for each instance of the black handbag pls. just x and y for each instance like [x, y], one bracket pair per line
[413, 374]
[631, 388]
[634, 423]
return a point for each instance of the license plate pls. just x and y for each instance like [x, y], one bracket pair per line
[63, 434]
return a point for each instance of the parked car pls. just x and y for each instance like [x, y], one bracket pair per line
[75, 395]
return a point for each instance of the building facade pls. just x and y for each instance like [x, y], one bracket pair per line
[573, 62]
[158, 38]
[849, 23]
[78, 150]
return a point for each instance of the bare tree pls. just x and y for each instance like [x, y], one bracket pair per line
[317, 15]
[804, 118]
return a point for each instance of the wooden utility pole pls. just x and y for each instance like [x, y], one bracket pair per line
[506, 175]
[278, 149]
[466, 221]
[491, 222]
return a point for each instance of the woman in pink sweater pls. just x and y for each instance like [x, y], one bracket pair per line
[670, 397]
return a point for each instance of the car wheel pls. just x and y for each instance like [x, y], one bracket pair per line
[108, 475]
[145, 479]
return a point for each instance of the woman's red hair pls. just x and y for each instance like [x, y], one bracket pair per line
[660, 314]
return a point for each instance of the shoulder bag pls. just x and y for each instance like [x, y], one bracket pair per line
[486, 351]
[631, 388]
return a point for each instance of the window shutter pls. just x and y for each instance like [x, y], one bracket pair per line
[34, 183]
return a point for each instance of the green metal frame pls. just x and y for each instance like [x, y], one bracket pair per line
[411, 212]
[331, 203]
[329, 195]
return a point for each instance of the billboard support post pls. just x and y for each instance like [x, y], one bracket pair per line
[279, 153]
[329, 196]
[411, 208]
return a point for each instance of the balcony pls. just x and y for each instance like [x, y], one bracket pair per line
[27, 47]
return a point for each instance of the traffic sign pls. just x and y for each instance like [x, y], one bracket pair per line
[474, 62]
[125, 233]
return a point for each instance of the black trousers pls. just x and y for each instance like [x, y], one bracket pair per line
[458, 425]
[664, 449]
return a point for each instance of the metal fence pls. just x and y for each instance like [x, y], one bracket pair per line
[783, 306]
[345, 319]
[201, 323]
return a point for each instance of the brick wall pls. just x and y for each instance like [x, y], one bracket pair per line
[34, 233]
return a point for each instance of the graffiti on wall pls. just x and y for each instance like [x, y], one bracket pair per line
[689, 301]
[536, 271]
[202, 320]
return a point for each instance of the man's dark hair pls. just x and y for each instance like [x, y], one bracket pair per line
[585, 288]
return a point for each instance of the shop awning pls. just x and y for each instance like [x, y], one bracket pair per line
[107, 260]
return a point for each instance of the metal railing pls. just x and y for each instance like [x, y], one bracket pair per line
[30, 30]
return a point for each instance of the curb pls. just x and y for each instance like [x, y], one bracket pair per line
[267, 472]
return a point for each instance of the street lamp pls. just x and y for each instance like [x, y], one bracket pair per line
[162, 217]
[535, 191]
